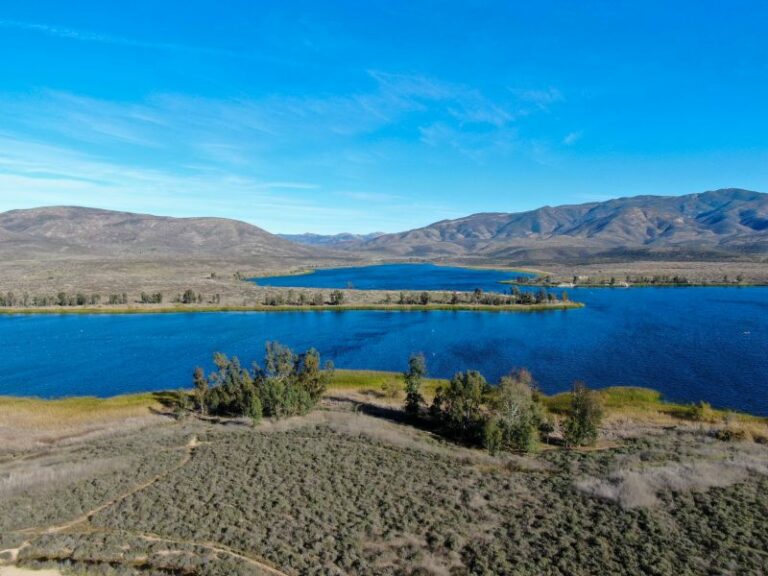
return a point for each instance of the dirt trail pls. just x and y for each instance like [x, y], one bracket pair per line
[85, 518]
[14, 571]
[259, 563]
[14, 552]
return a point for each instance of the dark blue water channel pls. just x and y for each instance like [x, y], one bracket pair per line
[689, 343]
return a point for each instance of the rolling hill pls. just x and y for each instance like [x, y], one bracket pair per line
[74, 231]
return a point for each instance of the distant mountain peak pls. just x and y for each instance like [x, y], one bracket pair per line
[330, 240]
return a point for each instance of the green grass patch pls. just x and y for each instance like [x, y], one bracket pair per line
[363, 380]
[20, 413]
[619, 398]
[635, 401]
[83, 403]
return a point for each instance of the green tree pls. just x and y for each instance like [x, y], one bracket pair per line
[417, 369]
[337, 298]
[200, 383]
[289, 384]
[311, 376]
[461, 414]
[516, 414]
[232, 389]
[583, 422]
[493, 436]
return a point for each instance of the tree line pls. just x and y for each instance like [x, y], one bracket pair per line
[292, 298]
[25, 300]
[478, 297]
[507, 417]
[65, 299]
[288, 297]
[629, 279]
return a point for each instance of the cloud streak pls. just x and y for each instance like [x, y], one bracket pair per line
[88, 36]
[275, 160]
[241, 132]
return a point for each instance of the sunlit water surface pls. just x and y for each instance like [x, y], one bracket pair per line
[689, 343]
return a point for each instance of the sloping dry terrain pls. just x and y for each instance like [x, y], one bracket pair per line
[47, 250]
[340, 492]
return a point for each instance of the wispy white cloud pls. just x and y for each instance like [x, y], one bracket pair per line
[34, 174]
[88, 36]
[236, 130]
[572, 137]
[251, 133]
[282, 153]
[370, 196]
[540, 98]
[477, 146]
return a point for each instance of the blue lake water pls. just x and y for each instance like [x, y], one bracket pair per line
[399, 277]
[689, 343]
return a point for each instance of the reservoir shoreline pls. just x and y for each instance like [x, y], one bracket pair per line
[149, 309]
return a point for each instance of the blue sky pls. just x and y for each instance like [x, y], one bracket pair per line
[362, 116]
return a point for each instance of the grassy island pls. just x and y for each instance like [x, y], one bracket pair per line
[392, 307]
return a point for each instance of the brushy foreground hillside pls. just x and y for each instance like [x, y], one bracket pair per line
[342, 492]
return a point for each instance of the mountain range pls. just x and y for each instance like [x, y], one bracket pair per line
[716, 224]
[720, 224]
[310, 239]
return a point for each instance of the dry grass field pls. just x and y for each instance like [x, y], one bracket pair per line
[118, 486]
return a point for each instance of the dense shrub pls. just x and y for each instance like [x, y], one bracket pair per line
[701, 412]
[346, 493]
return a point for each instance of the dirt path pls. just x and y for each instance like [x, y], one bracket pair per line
[85, 518]
[14, 571]
[14, 552]
[213, 546]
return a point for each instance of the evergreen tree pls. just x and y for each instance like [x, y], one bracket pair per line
[417, 369]
[581, 427]
[462, 401]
